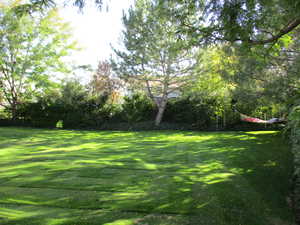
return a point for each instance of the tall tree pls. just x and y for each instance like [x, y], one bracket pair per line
[103, 82]
[32, 49]
[152, 54]
[251, 22]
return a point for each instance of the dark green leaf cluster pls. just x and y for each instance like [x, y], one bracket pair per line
[294, 126]
[252, 22]
[137, 108]
[41, 5]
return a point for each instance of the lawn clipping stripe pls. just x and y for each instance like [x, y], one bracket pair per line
[83, 216]
[192, 178]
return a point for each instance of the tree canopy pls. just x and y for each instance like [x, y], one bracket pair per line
[153, 55]
[31, 51]
[248, 21]
[31, 6]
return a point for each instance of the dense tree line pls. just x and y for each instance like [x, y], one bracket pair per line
[171, 72]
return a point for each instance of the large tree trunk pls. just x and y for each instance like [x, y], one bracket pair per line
[161, 102]
[161, 110]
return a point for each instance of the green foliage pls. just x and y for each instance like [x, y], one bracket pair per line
[294, 126]
[188, 110]
[32, 6]
[41, 114]
[76, 109]
[159, 65]
[137, 108]
[15, 123]
[73, 106]
[90, 113]
[80, 110]
[3, 113]
[32, 50]
[250, 22]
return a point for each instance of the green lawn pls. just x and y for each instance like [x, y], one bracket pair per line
[52, 177]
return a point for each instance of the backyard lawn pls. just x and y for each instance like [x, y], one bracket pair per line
[53, 177]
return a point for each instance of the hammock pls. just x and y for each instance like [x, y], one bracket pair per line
[249, 119]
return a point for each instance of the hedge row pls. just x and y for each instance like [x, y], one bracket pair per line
[294, 125]
[81, 112]
[125, 126]
[27, 123]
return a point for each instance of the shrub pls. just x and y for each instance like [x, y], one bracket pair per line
[188, 111]
[137, 108]
[294, 126]
[15, 123]
[88, 113]
[43, 114]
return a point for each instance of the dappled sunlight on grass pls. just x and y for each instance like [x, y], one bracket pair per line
[166, 177]
[216, 178]
[11, 213]
[120, 222]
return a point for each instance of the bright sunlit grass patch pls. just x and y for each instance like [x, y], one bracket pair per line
[162, 177]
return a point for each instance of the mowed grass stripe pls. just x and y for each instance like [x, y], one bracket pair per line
[206, 178]
[26, 214]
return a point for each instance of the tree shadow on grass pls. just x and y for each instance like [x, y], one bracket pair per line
[162, 177]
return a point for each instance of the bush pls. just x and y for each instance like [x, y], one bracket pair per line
[89, 113]
[3, 113]
[15, 123]
[294, 126]
[188, 111]
[76, 109]
[42, 114]
[137, 108]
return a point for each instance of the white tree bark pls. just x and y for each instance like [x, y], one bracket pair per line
[161, 109]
